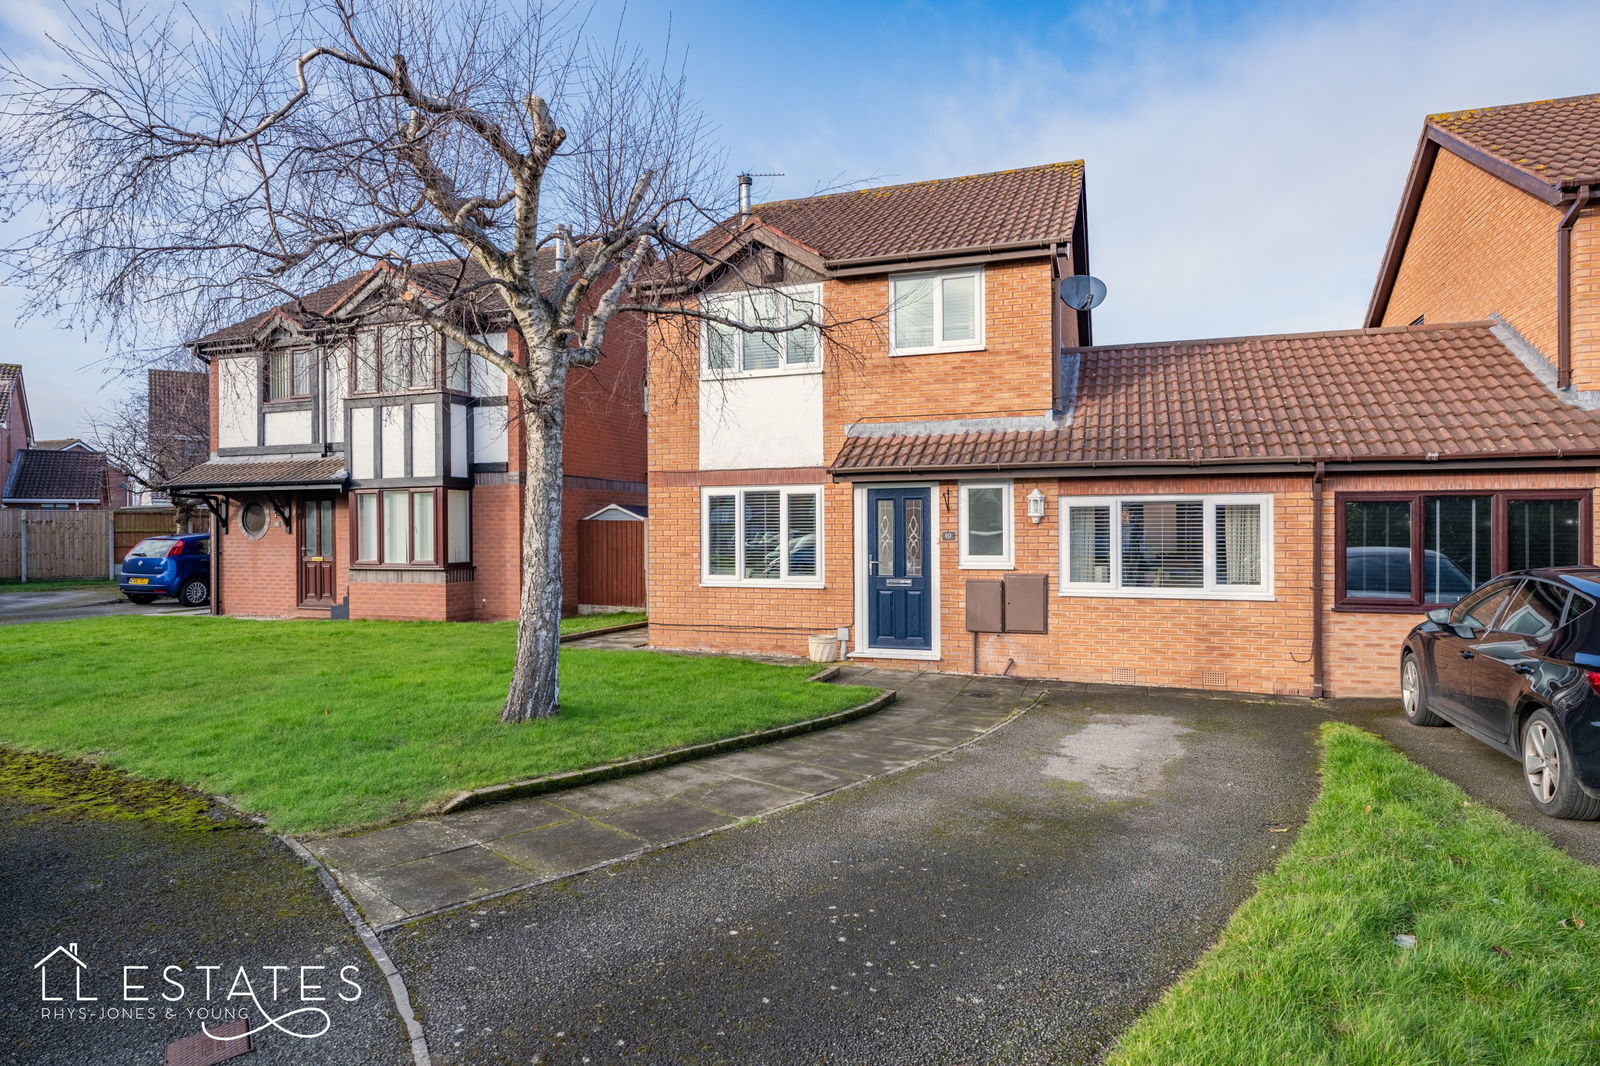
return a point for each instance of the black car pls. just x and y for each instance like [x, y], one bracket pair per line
[1516, 663]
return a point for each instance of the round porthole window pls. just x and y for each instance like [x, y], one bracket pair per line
[253, 519]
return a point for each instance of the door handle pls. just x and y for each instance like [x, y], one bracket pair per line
[1466, 653]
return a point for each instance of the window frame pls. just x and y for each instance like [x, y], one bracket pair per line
[737, 578]
[309, 366]
[1210, 590]
[1006, 560]
[1499, 548]
[976, 344]
[380, 360]
[784, 367]
[441, 530]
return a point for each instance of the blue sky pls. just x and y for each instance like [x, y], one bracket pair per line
[1244, 161]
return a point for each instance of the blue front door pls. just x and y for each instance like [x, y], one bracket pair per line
[899, 582]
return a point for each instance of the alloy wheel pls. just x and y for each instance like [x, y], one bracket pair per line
[1541, 761]
[1410, 687]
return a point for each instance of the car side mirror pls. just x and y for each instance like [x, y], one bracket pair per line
[1439, 616]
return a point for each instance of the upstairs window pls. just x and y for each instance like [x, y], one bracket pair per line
[289, 375]
[1206, 547]
[728, 351]
[937, 312]
[396, 359]
[1412, 551]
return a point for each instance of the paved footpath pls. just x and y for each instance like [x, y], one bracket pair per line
[433, 864]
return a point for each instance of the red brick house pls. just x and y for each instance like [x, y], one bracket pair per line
[16, 427]
[50, 475]
[962, 482]
[362, 467]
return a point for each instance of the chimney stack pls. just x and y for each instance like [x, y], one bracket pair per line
[744, 197]
[562, 248]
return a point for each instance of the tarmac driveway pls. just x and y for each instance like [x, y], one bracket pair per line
[62, 604]
[1017, 900]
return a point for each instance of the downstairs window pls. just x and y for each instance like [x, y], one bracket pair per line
[761, 536]
[1202, 547]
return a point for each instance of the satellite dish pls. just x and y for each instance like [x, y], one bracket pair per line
[1081, 292]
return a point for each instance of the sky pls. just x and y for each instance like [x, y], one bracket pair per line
[1243, 161]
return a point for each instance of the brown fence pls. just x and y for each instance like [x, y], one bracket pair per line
[133, 524]
[611, 563]
[45, 545]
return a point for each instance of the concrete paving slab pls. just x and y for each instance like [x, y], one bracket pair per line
[503, 819]
[744, 799]
[574, 845]
[806, 777]
[606, 796]
[440, 880]
[389, 847]
[666, 820]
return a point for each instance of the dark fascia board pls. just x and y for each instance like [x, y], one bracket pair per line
[1433, 138]
[49, 499]
[229, 490]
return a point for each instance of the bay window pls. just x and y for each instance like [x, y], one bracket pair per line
[1205, 547]
[761, 536]
[985, 526]
[1413, 551]
[407, 527]
[728, 351]
[936, 312]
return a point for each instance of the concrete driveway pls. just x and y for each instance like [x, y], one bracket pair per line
[23, 606]
[1017, 900]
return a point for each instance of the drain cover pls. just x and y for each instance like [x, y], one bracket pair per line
[980, 695]
[201, 1050]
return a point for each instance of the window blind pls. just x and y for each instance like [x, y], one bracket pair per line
[1163, 544]
[762, 558]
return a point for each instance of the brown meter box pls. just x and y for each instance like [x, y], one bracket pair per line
[1015, 605]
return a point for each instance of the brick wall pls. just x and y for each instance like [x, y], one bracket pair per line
[1585, 300]
[261, 578]
[1479, 246]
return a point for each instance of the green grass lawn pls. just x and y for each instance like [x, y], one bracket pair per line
[57, 585]
[318, 725]
[1506, 965]
[583, 623]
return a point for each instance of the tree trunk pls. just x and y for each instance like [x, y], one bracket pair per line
[535, 680]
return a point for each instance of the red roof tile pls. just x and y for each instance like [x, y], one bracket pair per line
[1447, 392]
[1556, 141]
[226, 473]
[1031, 204]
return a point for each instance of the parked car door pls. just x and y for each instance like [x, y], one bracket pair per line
[1512, 652]
[1454, 649]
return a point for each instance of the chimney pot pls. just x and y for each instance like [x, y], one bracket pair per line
[744, 196]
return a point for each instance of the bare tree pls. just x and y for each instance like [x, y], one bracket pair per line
[192, 173]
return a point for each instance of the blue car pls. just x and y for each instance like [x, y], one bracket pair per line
[169, 566]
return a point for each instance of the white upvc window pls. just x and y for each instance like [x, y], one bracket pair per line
[1194, 547]
[771, 535]
[938, 311]
[730, 352]
[985, 523]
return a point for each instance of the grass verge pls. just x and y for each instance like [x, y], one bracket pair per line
[1506, 962]
[583, 623]
[58, 585]
[321, 725]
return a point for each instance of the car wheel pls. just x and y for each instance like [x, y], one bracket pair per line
[1414, 693]
[1548, 769]
[194, 593]
[140, 598]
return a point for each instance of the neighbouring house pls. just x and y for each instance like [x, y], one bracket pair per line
[16, 428]
[362, 467]
[959, 481]
[72, 478]
[178, 416]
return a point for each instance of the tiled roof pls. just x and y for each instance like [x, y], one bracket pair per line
[57, 444]
[1007, 207]
[1411, 393]
[1556, 141]
[10, 374]
[439, 277]
[223, 474]
[177, 399]
[42, 474]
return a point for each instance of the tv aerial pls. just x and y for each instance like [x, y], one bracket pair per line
[1082, 292]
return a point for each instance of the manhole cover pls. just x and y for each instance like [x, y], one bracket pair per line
[201, 1050]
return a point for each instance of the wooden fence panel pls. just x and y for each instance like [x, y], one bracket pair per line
[59, 544]
[611, 563]
[134, 524]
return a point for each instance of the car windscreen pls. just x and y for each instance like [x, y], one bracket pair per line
[152, 548]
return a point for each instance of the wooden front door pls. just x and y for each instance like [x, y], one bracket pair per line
[316, 553]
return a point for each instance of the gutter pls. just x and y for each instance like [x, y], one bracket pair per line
[1564, 287]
